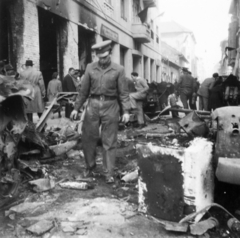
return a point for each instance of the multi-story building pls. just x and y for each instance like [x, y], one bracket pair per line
[58, 34]
[172, 62]
[183, 40]
[232, 45]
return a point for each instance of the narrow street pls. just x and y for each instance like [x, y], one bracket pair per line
[119, 118]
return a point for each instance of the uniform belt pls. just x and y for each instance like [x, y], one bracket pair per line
[103, 97]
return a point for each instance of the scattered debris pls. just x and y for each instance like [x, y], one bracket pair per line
[76, 185]
[26, 206]
[41, 227]
[201, 227]
[75, 154]
[42, 185]
[193, 125]
[63, 148]
[130, 177]
[172, 226]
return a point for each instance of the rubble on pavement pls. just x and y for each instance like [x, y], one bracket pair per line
[43, 162]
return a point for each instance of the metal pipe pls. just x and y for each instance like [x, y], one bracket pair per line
[189, 110]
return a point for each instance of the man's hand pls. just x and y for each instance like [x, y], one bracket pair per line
[125, 117]
[74, 114]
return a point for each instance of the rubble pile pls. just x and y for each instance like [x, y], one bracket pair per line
[164, 171]
[24, 148]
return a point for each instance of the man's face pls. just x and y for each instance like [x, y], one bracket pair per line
[71, 72]
[104, 60]
[134, 78]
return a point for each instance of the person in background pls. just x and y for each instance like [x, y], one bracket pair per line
[82, 72]
[172, 100]
[35, 78]
[54, 87]
[68, 82]
[204, 90]
[104, 82]
[77, 79]
[137, 97]
[193, 101]
[2, 70]
[69, 85]
[185, 88]
[216, 95]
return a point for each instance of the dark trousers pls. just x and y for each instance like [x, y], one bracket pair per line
[106, 114]
[185, 98]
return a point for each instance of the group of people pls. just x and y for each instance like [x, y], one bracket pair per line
[71, 83]
[210, 92]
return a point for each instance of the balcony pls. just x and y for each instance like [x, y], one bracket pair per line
[141, 32]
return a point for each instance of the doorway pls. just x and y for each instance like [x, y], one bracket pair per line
[4, 31]
[51, 52]
[86, 39]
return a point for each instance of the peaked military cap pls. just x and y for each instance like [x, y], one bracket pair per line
[102, 48]
[29, 63]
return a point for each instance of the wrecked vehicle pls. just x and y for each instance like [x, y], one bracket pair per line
[24, 145]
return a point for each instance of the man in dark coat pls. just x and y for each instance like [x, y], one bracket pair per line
[185, 87]
[204, 91]
[68, 83]
[103, 82]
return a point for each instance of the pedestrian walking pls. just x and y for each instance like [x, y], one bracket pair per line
[103, 83]
[35, 78]
[185, 87]
[204, 91]
[136, 98]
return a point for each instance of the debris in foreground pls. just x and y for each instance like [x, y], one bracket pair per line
[41, 227]
[42, 185]
[76, 185]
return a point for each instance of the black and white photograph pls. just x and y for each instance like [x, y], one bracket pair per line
[120, 118]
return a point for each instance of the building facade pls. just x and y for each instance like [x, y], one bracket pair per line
[58, 34]
[171, 63]
[232, 45]
[181, 39]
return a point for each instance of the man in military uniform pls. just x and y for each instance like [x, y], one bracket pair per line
[185, 87]
[103, 82]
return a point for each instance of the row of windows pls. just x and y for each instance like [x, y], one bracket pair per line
[136, 9]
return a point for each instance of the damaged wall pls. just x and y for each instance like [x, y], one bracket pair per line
[30, 34]
[17, 25]
[70, 55]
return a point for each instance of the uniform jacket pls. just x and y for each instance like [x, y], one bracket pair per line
[35, 78]
[54, 87]
[68, 84]
[206, 85]
[186, 84]
[108, 82]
